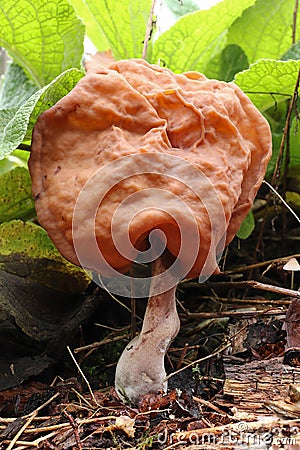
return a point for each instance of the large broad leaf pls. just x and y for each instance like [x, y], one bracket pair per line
[44, 38]
[6, 116]
[20, 126]
[15, 90]
[269, 82]
[197, 37]
[227, 63]
[16, 201]
[93, 29]
[124, 24]
[265, 29]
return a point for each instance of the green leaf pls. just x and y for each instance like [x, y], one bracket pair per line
[276, 140]
[5, 116]
[11, 161]
[44, 38]
[295, 144]
[292, 53]
[268, 82]
[265, 29]
[93, 29]
[16, 88]
[247, 226]
[293, 199]
[123, 23]
[233, 60]
[29, 243]
[16, 201]
[20, 126]
[229, 62]
[198, 37]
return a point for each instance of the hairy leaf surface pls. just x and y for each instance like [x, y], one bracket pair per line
[21, 124]
[197, 37]
[123, 23]
[265, 29]
[268, 81]
[44, 38]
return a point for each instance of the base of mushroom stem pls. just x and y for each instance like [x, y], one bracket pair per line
[140, 369]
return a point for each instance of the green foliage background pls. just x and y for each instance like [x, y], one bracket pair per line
[248, 42]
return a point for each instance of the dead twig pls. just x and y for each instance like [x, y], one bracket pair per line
[241, 314]
[260, 264]
[105, 341]
[182, 356]
[149, 30]
[74, 426]
[209, 405]
[39, 408]
[197, 361]
[83, 376]
[254, 285]
[21, 430]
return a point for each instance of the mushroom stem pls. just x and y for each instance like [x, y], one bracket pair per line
[140, 369]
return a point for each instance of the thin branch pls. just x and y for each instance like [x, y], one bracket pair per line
[264, 287]
[197, 361]
[83, 376]
[149, 30]
[242, 314]
[74, 426]
[291, 107]
[21, 430]
[105, 341]
[283, 94]
[47, 402]
[252, 284]
[115, 298]
[269, 262]
[282, 200]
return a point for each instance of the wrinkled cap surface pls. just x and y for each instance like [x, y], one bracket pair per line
[135, 147]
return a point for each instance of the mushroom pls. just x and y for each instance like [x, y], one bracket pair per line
[292, 266]
[140, 164]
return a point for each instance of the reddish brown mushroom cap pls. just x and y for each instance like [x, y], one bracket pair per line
[134, 108]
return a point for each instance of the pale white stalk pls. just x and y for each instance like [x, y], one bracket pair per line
[141, 369]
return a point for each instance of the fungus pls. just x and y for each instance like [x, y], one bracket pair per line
[292, 266]
[137, 163]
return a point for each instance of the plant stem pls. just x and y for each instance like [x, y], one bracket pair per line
[149, 30]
